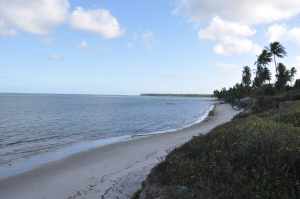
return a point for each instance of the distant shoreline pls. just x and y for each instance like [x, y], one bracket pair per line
[175, 95]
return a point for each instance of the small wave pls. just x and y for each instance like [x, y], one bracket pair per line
[201, 119]
[31, 140]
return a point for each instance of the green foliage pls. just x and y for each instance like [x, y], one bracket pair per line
[265, 90]
[258, 78]
[257, 155]
[263, 74]
[284, 76]
[297, 84]
[253, 157]
[266, 76]
[261, 84]
[136, 195]
[277, 49]
[264, 58]
[246, 77]
[232, 95]
[287, 112]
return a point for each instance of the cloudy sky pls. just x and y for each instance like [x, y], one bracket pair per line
[134, 46]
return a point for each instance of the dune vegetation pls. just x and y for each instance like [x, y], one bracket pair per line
[257, 155]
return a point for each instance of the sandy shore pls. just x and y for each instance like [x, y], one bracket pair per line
[113, 171]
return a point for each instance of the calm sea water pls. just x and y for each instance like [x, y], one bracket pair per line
[34, 124]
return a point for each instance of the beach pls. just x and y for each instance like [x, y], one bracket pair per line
[112, 171]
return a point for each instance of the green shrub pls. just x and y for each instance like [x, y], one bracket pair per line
[266, 90]
[251, 157]
[265, 103]
[287, 112]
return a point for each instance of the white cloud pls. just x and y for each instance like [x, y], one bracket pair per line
[280, 32]
[41, 16]
[34, 16]
[219, 27]
[98, 21]
[223, 69]
[276, 32]
[83, 44]
[231, 21]
[245, 11]
[5, 30]
[294, 33]
[230, 37]
[235, 46]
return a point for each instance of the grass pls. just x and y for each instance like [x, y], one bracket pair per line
[251, 157]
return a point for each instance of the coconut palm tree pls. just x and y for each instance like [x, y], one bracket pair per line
[278, 51]
[259, 77]
[284, 76]
[266, 75]
[246, 78]
[293, 72]
[264, 58]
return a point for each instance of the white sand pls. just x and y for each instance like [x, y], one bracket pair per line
[113, 171]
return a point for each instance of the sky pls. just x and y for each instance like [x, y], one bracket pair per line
[134, 46]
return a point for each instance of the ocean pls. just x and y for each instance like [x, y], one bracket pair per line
[35, 128]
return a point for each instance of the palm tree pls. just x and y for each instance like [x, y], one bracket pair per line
[246, 78]
[262, 61]
[293, 72]
[259, 77]
[284, 76]
[266, 75]
[278, 51]
[264, 58]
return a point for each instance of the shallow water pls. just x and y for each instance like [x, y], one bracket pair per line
[33, 124]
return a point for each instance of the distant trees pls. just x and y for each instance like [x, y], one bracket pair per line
[248, 87]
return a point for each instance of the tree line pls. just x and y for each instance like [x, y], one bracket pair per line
[261, 84]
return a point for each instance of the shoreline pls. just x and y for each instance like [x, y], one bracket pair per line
[108, 171]
[40, 160]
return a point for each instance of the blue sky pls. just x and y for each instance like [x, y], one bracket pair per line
[132, 47]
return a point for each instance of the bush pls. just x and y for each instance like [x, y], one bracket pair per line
[266, 90]
[253, 157]
[265, 103]
[297, 84]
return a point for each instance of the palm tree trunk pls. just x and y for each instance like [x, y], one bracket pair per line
[275, 63]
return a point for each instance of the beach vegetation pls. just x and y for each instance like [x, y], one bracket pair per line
[256, 155]
[261, 84]
[251, 157]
